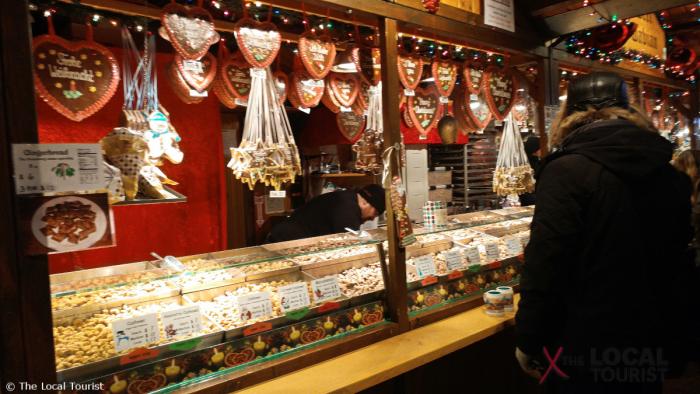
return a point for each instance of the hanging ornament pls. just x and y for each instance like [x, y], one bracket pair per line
[329, 99]
[189, 29]
[445, 76]
[610, 37]
[369, 148]
[473, 79]
[236, 76]
[363, 95]
[307, 91]
[259, 42]
[345, 87]
[219, 86]
[424, 109]
[350, 125]
[405, 116]
[460, 112]
[500, 92]
[198, 74]
[410, 70]
[513, 174]
[317, 54]
[397, 194]
[181, 88]
[432, 6]
[75, 78]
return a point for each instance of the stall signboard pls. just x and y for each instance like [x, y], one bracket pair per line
[500, 14]
[649, 39]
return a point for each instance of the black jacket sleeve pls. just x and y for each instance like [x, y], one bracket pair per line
[556, 231]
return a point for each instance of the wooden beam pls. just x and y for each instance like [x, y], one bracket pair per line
[397, 291]
[26, 337]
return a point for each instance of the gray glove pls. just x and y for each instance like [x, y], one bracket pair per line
[528, 364]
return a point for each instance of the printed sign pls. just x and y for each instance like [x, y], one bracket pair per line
[254, 305]
[43, 168]
[500, 14]
[473, 255]
[453, 258]
[182, 321]
[135, 332]
[65, 223]
[294, 296]
[492, 252]
[513, 245]
[278, 193]
[325, 288]
[425, 266]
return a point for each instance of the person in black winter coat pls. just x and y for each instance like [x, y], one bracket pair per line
[606, 276]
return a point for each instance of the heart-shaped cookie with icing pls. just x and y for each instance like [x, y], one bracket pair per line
[445, 75]
[329, 99]
[410, 70]
[500, 92]
[350, 125]
[480, 115]
[259, 42]
[236, 76]
[424, 109]
[199, 74]
[317, 54]
[307, 90]
[370, 65]
[75, 78]
[345, 88]
[474, 79]
[189, 29]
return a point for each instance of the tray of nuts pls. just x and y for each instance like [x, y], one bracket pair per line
[85, 344]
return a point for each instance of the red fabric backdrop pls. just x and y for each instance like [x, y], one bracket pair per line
[178, 229]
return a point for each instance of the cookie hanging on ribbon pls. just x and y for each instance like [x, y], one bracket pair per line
[424, 109]
[363, 96]
[76, 78]
[308, 91]
[410, 70]
[370, 65]
[181, 88]
[460, 112]
[345, 88]
[199, 74]
[329, 99]
[500, 92]
[445, 76]
[351, 125]
[477, 109]
[189, 29]
[236, 76]
[474, 79]
[225, 97]
[317, 54]
[259, 42]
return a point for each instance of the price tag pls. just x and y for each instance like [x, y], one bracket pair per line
[182, 321]
[254, 305]
[444, 100]
[194, 93]
[325, 288]
[305, 110]
[492, 252]
[409, 92]
[135, 332]
[294, 296]
[454, 260]
[473, 255]
[425, 266]
[194, 66]
[41, 168]
[345, 109]
[278, 193]
[241, 103]
[513, 245]
[524, 239]
[258, 73]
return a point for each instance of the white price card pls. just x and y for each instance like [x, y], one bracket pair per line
[345, 109]
[194, 93]
[278, 193]
[193, 65]
[305, 110]
[473, 255]
[294, 296]
[325, 288]
[454, 260]
[182, 321]
[425, 266]
[444, 100]
[409, 92]
[258, 73]
[241, 103]
[50, 168]
[492, 252]
[513, 245]
[135, 332]
[254, 305]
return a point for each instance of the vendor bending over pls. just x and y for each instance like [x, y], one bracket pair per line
[331, 213]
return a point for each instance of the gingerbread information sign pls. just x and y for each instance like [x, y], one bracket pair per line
[424, 109]
[500, 93]
[317, 54]
[350, 125]
[75, 78]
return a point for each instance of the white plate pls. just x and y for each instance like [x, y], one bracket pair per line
[65, 246]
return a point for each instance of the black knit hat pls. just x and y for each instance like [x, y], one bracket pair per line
[374, 194]
[598, 90]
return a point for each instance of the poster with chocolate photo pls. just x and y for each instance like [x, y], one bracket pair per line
[56, 224]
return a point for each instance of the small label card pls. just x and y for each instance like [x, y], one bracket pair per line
[278, 193]
[425, 266]
[254, 305]
[135, 332]
[473, 255]
[454, 260]
[409, 92]
[294, 296]
[513, 245]
[182, 321]
[193, 65]
[325, 288]
[492, 252]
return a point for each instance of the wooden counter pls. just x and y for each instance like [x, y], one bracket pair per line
[387, 359]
